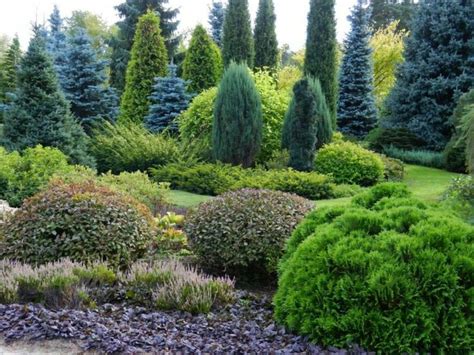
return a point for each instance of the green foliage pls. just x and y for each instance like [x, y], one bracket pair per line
[394, 168]
[131, 148]
[349, 163]
[370, 276]
[84, 222]
[202, 66]
[9, 63]
[368, 199]
[401, 138]
[237, 125]
[244, 231]
[418, 157]
[346, 190]
[459, 197]
[148, 60]
[265, 39]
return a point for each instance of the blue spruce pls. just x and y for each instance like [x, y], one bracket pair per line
[56, 44]
[438, 69]
[356, 111]
[216, 21]
[85, 83]
[169, 98]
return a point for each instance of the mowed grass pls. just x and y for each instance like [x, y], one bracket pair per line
[427, 184]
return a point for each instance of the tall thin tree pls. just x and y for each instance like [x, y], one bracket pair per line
[216, 21]
[265, 39]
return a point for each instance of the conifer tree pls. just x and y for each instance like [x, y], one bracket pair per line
[237, 43]
[237, 125]
[384, 12]
[321, 50]
[39, 113]
[216, 21]
[9, 64]
[57, 43]
[169, 99]
[357, 113]
[438, 69]
[265, 39]
[202, 65]
[85, 83]
[148, 61]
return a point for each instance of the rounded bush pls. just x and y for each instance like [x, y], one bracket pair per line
[243, 232]
[390, 278]
[84, 222]
[349, 163]
[401, 138]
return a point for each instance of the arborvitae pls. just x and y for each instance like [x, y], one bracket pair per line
[237, 126]
[9, 65]
[357, 113]
[149, 60]
[202, 66]
[438, 69]
[265, 39]
[216, 21]
[57, 43]
[321, 50]
[39, 113]
[237, 43]
[169, 99]
[129, 12]
[85, 83]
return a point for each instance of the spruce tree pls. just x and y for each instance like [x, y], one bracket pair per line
[39, 113]
[438, 69]
[216, 21]
[169, 99]
[237, 43]
[202, 65]
[237, 125]
[57, 43]
[357, 113]
[265, 39]
[148, 60]
[321, 50]
[130, 11]
[85, 83]
[9, 64]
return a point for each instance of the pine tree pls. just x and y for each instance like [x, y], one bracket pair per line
[237, 125]
[438, 69]
[9, 70]
[321, 50]
[357, 113]
[169, 99]
[216, 21]
[202, 66]
[39, 113]
[237, 42]
[148, 60]
[57, 43]
[265, 39]
[129, 12]
[85, 83]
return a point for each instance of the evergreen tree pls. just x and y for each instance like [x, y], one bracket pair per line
[9, 65]
[57, 43]
[266, 44]
[357, 113]
[169, 99]
[203, 63]
[85, 83]
[237, 125]
[39, 113]
[321, 50]
[384, 12]
[237, 42]
[130, 11]
[438, 69]
[148, 60]
[216, 21]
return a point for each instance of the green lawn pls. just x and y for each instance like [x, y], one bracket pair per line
[426, 183]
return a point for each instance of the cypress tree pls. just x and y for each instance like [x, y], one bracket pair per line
[237, 125]
[237, 43]
[357, 113]
[9, 66]
[39, 113]
[203, 63]
[57, 43]
[85, 83]
[321, 50]
[169, 99]
[265, 39]
[148, 60]
[438, 69]
[216, 21]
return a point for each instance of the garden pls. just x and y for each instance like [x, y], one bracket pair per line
[216, 192]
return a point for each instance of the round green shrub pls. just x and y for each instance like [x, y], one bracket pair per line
[401, 138]
[349, 163]
[396, 276]
[243, 232]
[84, 222]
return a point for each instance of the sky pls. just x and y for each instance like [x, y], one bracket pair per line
[17, 16]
